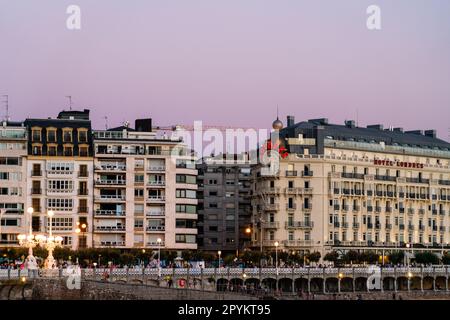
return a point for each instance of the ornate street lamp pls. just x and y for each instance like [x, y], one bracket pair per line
[159, 240]
[29, 241]
[50, 244]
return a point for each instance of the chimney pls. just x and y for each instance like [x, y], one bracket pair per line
[398, 130]
[375, 126]
[430, 133]
[350, 123]
[143, 125]
[290, 121]
[417, 132]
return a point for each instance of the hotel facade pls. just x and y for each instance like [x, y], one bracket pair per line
[342, 187]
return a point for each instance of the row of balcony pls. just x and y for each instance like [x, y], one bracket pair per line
[293, 173]
[386, 226]
[293, 206]
[122, 244]
[289, 225]
[39, 191]
[122, 167]
[39, 173]
[39, 209]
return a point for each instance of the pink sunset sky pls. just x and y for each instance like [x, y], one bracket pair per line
[229, 62]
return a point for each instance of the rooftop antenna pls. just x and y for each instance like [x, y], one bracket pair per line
[106, 122]
[6, 102]
[357, 117]
[277, 111]
[70, 102]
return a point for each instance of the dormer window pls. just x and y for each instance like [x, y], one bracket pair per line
[36, 134]
[67, 135]
[51, 135]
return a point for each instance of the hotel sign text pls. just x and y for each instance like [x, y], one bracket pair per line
[401, 164]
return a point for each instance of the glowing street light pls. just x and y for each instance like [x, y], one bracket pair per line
[29, 241]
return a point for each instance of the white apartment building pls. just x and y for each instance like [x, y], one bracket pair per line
[345, 187]
[13, 159]
[143, 192]
[59, 176]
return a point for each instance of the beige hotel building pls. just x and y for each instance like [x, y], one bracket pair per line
[344, 187]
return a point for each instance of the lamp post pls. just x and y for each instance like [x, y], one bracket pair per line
[29, 241]
[406, 251]
[276, 255]
[219, 253]
[159, 257]
[51, 243]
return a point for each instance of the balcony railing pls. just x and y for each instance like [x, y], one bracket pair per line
[270, 225]
[307, 173]
[272, 206]
[83, 192]
[155, 244]
[112, 197]
[291, 206]
[36, 191]
[83, 174]
[299, 224]
[110, 213]
[110, 228]
[156, 168]
[156, 228]
[36, 173]
[155, 213]
[291, 173]
[111, 243]
[156, 183]
[110, 182]
[83, 209]
[111, 167]
[156, 198]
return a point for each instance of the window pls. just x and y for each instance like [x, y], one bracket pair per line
[186, 164]
[182, 178]
[51, 135]
[182, 193]
[60, 185]
[138, 193]
[60, 167]
[82, 135]
[185, 238]
[138, 223]
[186, 208]
[67, 135]
[61, 224]
[36, 150]
[36, 134]
[212, 181]
[59, 204]
[83, 151]
[51, 150]
[68, 151]
[9, 161]
[184, 223]
[138, 178]
[138, 208]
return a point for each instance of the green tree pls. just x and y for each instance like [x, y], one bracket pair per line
[426, 258]
[331, 256]
[446, 258]
[187, 255]
[351, 256]
[313, 256]
[396, 257]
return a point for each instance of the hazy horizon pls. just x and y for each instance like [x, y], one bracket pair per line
[229, 63]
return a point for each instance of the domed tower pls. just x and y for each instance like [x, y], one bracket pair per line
[277, 125]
